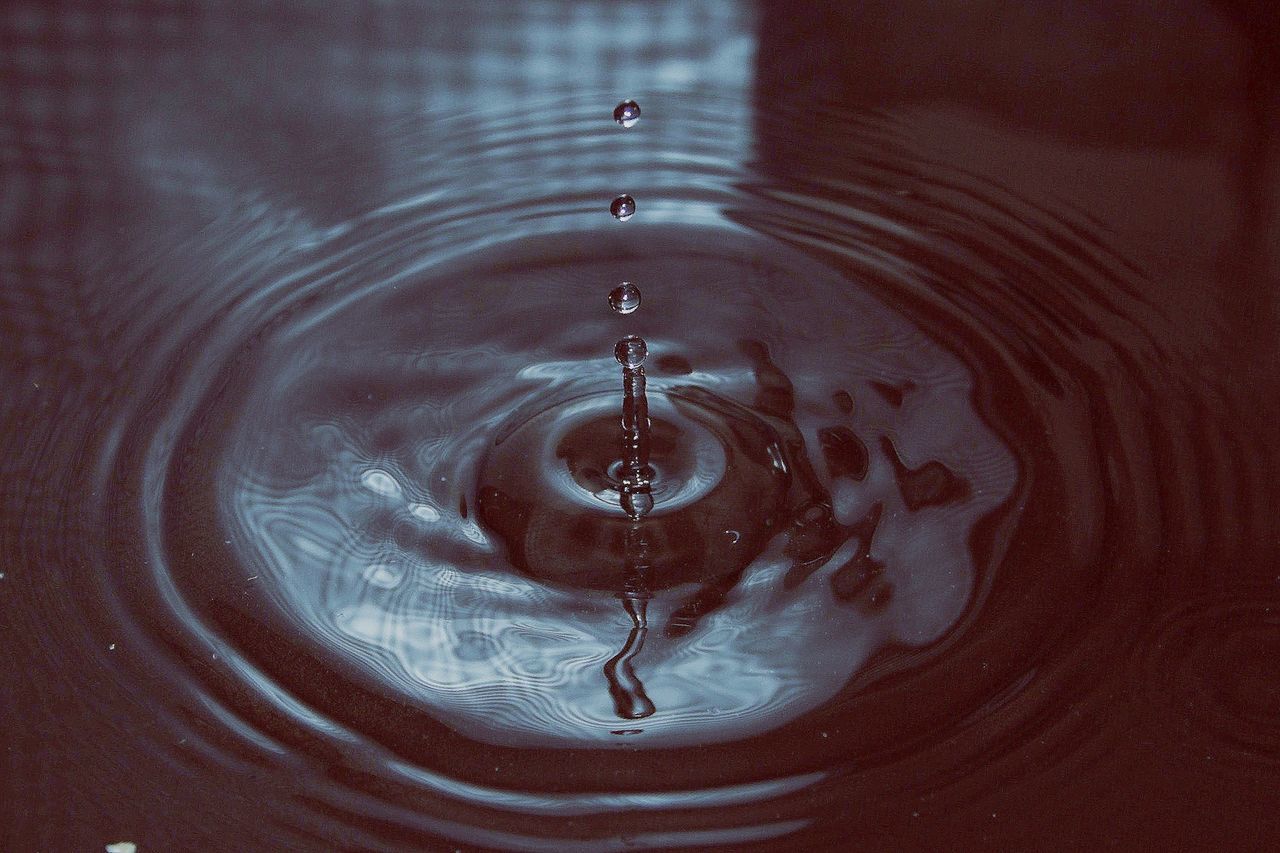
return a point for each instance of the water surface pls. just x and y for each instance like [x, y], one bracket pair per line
[963, 426]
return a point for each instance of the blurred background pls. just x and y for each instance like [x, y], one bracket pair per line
[1157, 118]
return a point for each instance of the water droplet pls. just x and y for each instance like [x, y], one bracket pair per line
[623, 207]
[631, 351]
[636, 504]
[624, 298]
[627, 113]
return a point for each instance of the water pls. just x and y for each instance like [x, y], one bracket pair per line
[623, 207]
[635, 474]
[625, 298]
[962, 527]
[630, 352]
[627, 113]
[634, 477]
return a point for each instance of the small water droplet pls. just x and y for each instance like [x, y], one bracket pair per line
[627, 113]
[623, 207]
[637, 504]
[624, 298]
[631, 351]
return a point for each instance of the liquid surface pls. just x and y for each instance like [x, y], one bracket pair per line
[962, 459]
[347, 482]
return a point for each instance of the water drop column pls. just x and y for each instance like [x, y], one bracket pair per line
[635, 492]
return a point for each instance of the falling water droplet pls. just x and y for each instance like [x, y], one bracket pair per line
[623, 207]
[627, 113]
[624, 298]
[631, 351]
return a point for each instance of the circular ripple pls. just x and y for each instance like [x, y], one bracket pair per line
[353, 460]
[993, 425]
[1212, 670]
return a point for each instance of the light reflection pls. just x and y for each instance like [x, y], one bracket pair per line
[372, 552]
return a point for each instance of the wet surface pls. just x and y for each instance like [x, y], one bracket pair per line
[962, 387]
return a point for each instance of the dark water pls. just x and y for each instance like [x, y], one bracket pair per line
[964, 463]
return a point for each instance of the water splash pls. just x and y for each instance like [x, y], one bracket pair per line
[635, 492]
[973, 377]
[354, 426]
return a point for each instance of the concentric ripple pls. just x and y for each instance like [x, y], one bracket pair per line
[986, 462]
[1212, 670]
[348, 474]
[551, 490]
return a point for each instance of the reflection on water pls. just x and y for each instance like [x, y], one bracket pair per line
[968, 421]
[352, 468]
